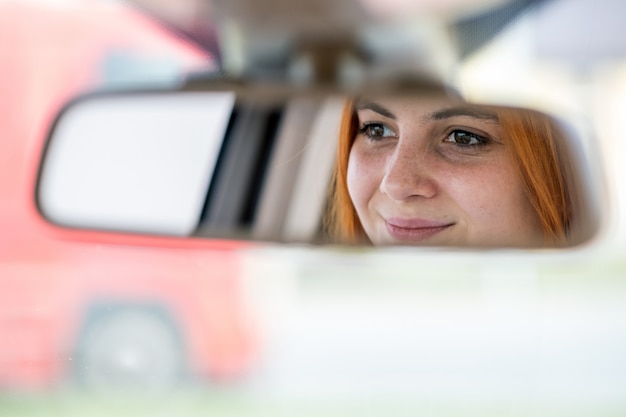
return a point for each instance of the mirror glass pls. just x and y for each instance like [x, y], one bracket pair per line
[377, 169]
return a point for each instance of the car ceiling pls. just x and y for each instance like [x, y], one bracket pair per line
[473, 22]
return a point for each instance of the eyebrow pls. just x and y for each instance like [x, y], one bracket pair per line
[473, 112]
[443, 114]
[368, 105]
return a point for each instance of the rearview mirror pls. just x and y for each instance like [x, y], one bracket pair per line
[412, 167]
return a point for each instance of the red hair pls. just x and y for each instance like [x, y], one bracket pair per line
[537, 145]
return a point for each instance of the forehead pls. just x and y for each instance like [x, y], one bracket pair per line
[415, 103]
[433, 108]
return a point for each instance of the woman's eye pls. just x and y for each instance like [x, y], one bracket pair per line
[464, 138]
[377, 131]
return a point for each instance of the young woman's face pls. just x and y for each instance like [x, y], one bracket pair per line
[437, 173]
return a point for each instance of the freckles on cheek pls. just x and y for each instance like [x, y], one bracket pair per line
[478, 192]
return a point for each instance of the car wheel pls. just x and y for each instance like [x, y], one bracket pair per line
[129, 348]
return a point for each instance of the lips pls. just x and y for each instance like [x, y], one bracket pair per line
[414, 229]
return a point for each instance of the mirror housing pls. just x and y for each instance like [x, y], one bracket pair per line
[223, 159]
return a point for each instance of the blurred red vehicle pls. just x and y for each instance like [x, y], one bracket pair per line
[102, 307]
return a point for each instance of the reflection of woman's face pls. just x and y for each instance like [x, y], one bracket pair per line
[437, 173]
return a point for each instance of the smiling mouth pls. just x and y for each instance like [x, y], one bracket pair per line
[414, 229]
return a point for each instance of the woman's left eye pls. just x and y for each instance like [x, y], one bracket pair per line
[465, 138]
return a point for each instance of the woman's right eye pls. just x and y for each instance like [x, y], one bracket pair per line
[376, 131]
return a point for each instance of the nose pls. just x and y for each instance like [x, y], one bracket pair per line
[408, 173]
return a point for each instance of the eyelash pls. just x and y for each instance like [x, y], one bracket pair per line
[452, 137]
[479, 139]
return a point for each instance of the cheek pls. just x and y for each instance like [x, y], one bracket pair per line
[494, 201]
[362, 178]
